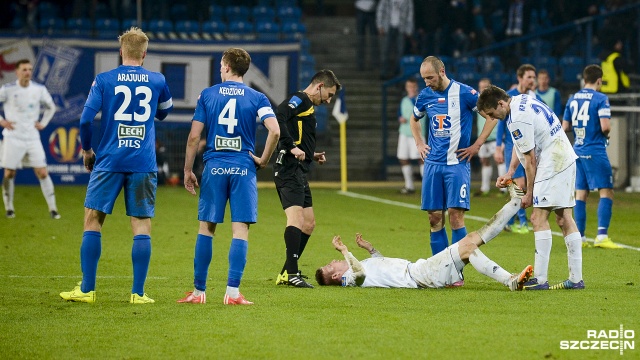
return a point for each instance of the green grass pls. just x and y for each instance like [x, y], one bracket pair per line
[39, 258]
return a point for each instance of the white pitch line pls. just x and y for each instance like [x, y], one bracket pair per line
[471, 217]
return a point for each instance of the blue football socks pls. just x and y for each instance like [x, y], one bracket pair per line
[522, 216]
[604, 215]
[89, 255]
[201, 261]
[140, 257]
[237, 261]
[458, 234]
[580, 214]
[439, 240]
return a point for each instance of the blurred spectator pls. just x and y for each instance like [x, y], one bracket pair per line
[615, 69]
[407, 149]
[366, 24]
[548, 94]
[163, 164]
[394, 19]
[459, 21]
[428, 37]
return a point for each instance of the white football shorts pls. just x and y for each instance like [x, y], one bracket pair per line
[438, 271]
[487, 149]
[557, 192]
[18, 153]
[407, 149]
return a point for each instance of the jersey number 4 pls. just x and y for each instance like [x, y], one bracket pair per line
[121, 115]
[228, 116]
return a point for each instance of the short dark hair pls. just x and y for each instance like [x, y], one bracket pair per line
[412, 80]
[328, 78]
[592, 73]
[238, 60]
[543, 72]
[22, 61]
[490, 96]
[320, 277]
[524, 68]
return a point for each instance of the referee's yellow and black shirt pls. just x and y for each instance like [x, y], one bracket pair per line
[297, 122]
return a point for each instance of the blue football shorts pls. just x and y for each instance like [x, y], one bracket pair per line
[593, 172]
[139, 192]
[508, 151]
[446, 186]
[225, 181]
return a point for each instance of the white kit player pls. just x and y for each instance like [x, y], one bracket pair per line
[23, 100]
[441, 270]
[550, 166]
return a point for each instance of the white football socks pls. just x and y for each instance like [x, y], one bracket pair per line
[49, 194]
[488, 267]
[408, 177]
[574, 256]
[233, 292]
[487, 171]
[197, 292]
[543, 251]
[491, 229]
[8, 187]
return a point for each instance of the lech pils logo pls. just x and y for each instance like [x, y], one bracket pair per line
[130, 136]
[65, 145]
[233, 144]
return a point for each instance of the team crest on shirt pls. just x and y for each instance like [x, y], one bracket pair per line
[294, 102]
[517, 134]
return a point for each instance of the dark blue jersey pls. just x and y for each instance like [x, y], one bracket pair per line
[129, 98]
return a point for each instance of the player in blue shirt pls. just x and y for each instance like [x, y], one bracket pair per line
[227, 113]
[589, 114]
[129, 97]
[526, 75]
[449, 107]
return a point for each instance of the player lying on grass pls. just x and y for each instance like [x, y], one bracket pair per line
[441, 270]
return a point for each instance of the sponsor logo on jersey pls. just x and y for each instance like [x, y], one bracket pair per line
[232, 91]
[294, 102]
[441, 124]
[130, 136]
[517, 134]
[224, 143]
[65, 145]
[473, 91]
[229, 171]
[133, 77]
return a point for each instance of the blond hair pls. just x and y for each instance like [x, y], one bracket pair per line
[133, 43]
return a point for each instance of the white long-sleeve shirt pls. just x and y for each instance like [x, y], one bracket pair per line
[22, 107]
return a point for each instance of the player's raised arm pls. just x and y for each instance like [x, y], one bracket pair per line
[355, 265]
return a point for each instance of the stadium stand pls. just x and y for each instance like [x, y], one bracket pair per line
[213, 30]
[51, 26]
[263, 14]
[188, 30]
[293, 31]
[107, 28]
[161, 29]
[236, 14]
[571, 68]
[240, 30]
[268, 31]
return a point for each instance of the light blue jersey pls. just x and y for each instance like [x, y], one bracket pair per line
[129, 98]
[450, 116]
[228, 111]
[584, 110]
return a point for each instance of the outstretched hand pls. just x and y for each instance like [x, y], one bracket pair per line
[338, 245]
[363, 243]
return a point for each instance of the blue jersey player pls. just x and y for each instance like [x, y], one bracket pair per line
[129, 97]
[227, 114]
[526, 75]
[589, 114]
[449, 107]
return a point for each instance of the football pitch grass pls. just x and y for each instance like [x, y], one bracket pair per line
[39, 258]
